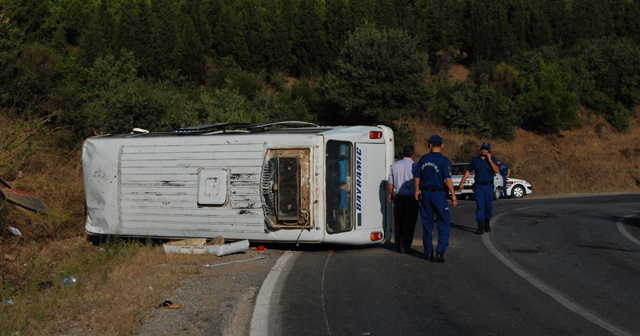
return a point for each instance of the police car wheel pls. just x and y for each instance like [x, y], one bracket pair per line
[497, 193]
[517, 191]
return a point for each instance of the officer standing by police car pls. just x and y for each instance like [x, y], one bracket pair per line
[504, 173]
[432, 180]
[485, 166]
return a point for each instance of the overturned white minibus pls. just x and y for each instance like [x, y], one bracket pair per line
[273, 182]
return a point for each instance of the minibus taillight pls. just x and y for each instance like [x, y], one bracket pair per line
[376, 235]
[375, 135]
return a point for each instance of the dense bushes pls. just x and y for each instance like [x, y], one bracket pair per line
[609, 73]
[96, 67]
[379, 75]
[546, 102]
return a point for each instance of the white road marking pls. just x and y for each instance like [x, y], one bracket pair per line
[556, 295]
[260, 319]
[324, 310]
[625, 232]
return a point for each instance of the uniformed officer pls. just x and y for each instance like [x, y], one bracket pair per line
[485, 166]
[432, 180]
[504, 172]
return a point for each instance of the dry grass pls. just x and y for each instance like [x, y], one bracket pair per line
[117, 286]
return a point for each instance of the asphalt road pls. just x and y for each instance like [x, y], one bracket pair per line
[550, 266]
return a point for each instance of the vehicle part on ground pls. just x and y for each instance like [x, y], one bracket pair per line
[21, 198]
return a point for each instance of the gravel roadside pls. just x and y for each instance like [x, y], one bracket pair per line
[218, 301]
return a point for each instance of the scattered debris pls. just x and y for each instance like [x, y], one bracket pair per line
[72, 280]
[21, 198]
[15, 231]
[139, 130]
[169, 305]
[12, 255]
[215, 265]
[218, 240]
[198, 246]
[232, 262]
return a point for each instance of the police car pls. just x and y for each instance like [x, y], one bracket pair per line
[516, 188]
[457, 172]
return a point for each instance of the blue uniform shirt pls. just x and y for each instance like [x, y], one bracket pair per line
[503, 169]
[432, 169]
[483, 170]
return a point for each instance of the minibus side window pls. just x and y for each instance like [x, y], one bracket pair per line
[338, 186]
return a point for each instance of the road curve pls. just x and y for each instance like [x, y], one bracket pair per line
[550, 266]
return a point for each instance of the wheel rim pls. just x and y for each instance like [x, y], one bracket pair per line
[517, 192]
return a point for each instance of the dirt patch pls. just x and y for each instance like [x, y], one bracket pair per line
[458, 73]
[217, 301]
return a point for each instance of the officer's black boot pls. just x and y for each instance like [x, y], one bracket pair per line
[480, 229]
[487, 227]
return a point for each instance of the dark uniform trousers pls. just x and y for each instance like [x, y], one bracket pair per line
[405, 217]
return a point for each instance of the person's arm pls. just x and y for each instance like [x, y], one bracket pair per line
[454, 198]
[464, 178]
[416, 185]
[390, 185]
[508, 172]
[493, 165]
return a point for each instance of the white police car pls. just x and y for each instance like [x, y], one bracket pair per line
[457, 172]
[517, 188]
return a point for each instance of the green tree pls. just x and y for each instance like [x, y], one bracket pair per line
[188, 55]
[309, 43]
[439, 24]
[277, 49]
[379, 75]
[97, 38]
[539, 32]
[488, 30]
[226, 21]
[504, 79]
[164, 32]
[256, 30]
[66, 19]
[29, 17]
[133, 33]
[592, 18]
[561, 20]
[479, 110]
[337, 26]
[607, 73]
[11, 45]
[547, 102]
[30, 74]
